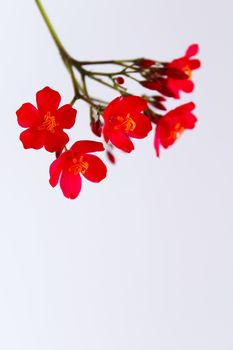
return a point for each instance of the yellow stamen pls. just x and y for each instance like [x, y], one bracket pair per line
[125, 123]
[188, 71]
[79, 166]
[176, 132]
[49, 123]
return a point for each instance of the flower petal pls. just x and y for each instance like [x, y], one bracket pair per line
[121, 141]
[28, 116]
[177, 85]
[86, 146]
[157, 143]
[55, 141]
[96, 170]
[125, 104]
[192, 50]
[48, 100]
[70, 184]
[131, 104]
[187, 107]
[55, 170]
[65, 116]
[32, 138]
[194, 64]
[143, 126]
[106, 132]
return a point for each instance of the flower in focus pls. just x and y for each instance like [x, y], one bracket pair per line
[173, 124]
[45, 123]
[71, 164]
[185, 64]
[124, 119]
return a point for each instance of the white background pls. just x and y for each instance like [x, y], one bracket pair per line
[144, 259]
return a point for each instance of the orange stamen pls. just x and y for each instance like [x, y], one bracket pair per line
[188, 71]
[125, 123]
[49, 123]
[79, 166]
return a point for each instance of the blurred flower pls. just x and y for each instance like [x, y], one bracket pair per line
[186, 65]
[171, 78]
[173, 124]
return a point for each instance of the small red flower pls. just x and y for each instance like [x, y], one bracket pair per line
[123, 119]
[185, 65]
[71, 164]
[46, 122]
[172, 125]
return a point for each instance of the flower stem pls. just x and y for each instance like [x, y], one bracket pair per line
[51, 29]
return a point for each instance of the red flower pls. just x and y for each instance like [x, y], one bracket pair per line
[123, 119]
[172, 125]
[68, 167]
[185, 65]
[46, 122]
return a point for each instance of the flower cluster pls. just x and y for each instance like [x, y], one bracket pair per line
[117, 123]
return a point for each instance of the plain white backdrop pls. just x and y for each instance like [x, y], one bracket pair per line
[144, 259]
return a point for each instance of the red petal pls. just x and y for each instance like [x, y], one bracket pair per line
[106, 133]
[28, 116]
[143, 126]
[48, 100]
[87, 146]
[55, 170]
[177, 85]
[187, 107]
[123, 105]
[192, 50]
[121, 141]
[55, 141]
[70, 184]
[96, 170]
[32, 138]
[157, 143]
[65, 116]
[189, 121]
[194, 64]
[173, 85]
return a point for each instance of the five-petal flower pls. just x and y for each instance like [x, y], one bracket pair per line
[123, 119]
[71, 164]
[45, 123]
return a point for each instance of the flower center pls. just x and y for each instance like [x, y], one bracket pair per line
[125, 123]
[78, 166]
[187, 71]
[177, 131]
[49, 123]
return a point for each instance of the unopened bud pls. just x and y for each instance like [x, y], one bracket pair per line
[111, 157]
[145, 63]
[120, 80]
[96, 127]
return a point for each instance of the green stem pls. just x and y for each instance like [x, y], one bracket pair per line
[51, 29]
[118, 62]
